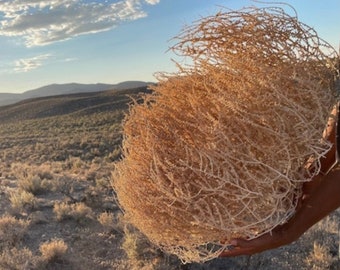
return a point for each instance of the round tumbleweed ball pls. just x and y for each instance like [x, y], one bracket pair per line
[219, 149]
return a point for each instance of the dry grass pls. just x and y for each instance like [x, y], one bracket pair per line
[76, 211]
[12, 231]
[21, 199]
[107, 220]
[16, 259]
[140, 254]
[219, 150]
[130, 246]
[31, 184]
[62, 211]
[80, 211]
[53, 250]
[320, 257]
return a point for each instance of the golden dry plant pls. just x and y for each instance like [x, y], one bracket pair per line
[218, 150]
[53, 250]
[12, 231]
[77, 211]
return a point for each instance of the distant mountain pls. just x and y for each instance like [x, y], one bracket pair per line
[63, 89]
[8, 98]
[69, 88]
[131, 85]
[70, 104]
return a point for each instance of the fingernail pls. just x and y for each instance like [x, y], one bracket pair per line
[233, 242]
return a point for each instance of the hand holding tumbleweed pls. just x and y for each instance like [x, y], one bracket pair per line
[319, 204]
[320, 197]
[216, 152]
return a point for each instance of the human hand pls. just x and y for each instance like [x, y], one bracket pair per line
[279, 236]
[317, 205]
[320, 196]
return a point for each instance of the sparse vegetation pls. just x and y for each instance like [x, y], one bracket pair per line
[31, 183]
[76, 211]
[107, 220]
[140, 253]
[53, 250]
[320, 257]
[16, 259]
[21, 199]
[56, 164]
[12, 231]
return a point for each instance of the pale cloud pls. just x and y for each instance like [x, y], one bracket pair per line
[28, 64]
[70, 59]
[41, 22]
[152, 2]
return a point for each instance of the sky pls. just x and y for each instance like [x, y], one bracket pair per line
[110, 41]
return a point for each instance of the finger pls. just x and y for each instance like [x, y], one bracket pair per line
[237, 247]
[241, 243]
[236, 251]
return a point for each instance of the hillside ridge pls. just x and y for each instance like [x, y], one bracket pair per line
[67, 88]
[78, 103]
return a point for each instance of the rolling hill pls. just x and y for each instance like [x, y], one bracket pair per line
[69, 88]
[79, 103]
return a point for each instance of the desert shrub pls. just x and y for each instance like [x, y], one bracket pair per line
[62, 211]
[142, 254]
[320, 257]
[21, 199]
[33, 179]
[16, 259]
[45, 174]
[53, 250]
[76, 211]
[31, 183]
[11, 231]
[130, 245]
[107, 220]
[111, 222]
[103, 182]
[81, 211]
[217, 151]
[135, 246]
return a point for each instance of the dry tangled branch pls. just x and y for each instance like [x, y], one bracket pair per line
[218, 150]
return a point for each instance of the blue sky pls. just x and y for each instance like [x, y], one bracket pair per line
[110, 41]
